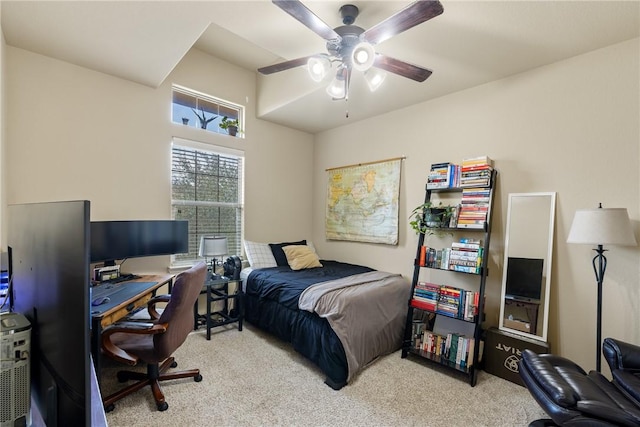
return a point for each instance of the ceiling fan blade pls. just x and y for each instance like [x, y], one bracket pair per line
[412, 15]
[401, 68]
[281, 66]
[299, 11]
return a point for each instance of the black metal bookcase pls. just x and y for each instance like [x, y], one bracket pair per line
[408, 347]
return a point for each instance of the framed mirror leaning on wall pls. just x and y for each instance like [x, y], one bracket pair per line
[526, 278]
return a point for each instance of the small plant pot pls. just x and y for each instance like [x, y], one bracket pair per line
[233, 130]
[435, 218]
[185, 121]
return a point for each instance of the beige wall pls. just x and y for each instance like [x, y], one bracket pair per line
[571, 127]
[79, 134]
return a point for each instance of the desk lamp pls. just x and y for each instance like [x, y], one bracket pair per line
[211, 246]
[601, 226]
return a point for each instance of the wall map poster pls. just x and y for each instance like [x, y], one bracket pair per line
[362, 202]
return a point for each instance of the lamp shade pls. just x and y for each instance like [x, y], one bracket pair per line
[374, 78]
[318, 67]
[211, 246]
[338, 87]
[602, 226]
[363, 56]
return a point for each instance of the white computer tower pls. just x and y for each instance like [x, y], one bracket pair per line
[15, 378]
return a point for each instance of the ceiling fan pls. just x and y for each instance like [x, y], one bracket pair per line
[351, 47]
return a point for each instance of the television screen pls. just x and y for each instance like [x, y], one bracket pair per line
[113, 240]
[524, 278]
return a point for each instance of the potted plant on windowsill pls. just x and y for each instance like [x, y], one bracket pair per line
[230, 125]
[428, 219]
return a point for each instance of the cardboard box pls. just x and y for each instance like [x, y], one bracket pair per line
[503, 351]
[518, 325]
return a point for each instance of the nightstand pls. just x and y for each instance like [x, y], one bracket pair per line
[217, 289]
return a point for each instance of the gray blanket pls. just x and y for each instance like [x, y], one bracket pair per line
[366, 311]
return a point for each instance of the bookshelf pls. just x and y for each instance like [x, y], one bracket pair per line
[444, 321]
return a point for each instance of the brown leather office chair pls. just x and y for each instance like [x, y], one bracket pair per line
[153, 343]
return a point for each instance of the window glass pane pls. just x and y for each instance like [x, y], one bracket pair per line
[194, 109]
[206, 191]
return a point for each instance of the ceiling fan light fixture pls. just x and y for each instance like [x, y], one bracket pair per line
[362, 56]
[318, 67]
[374, 78]
[338, 87]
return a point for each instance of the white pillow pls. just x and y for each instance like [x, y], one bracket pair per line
[311, 245]
[259, 255]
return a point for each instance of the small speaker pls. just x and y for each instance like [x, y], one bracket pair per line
[15, 380]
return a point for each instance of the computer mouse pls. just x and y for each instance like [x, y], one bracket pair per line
[100, 300]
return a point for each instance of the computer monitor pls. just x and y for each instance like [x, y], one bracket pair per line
[524, 279]
[49, 271]
[114, 240]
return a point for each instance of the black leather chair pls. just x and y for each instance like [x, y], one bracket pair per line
[572, 397]
[154, 343]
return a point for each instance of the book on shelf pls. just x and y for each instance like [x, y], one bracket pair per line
[466, 244]
[476, 172]
[443, 175]
[477, 161]
[446, 300]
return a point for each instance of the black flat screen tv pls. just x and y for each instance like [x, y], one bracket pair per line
[524, 279]
[49, 270]
[114, 240]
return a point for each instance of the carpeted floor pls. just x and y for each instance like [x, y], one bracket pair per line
[252, 379]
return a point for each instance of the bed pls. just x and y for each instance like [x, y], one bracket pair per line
[340, 316]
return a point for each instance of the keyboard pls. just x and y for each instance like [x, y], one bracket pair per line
[117, 293]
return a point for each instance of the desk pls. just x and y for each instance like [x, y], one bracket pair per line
[123, 301]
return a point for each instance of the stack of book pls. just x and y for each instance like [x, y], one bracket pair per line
[453, 348]
[474, 207]
[425, 296]
[476, 172]
[466, 256]
[434, 258]
[446, 300]
[443, 175]
[450, 301]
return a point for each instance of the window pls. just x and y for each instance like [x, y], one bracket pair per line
[196, 109]
[207, 190]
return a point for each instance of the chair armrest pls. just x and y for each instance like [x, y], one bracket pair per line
[548, 379]
[628, 383]
[151, 305]
[608, 413]
[137, 328]
[621, 355]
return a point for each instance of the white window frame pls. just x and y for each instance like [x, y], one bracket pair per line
[216, 106]
[179, 261]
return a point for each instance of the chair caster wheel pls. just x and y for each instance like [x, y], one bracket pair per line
[174, 364]
[197, 378]
[109, 408]
[162, 406]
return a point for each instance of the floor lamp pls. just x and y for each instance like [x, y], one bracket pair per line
[600, 226]
[211, 246]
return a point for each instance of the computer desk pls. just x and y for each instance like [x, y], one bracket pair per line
[125, 297]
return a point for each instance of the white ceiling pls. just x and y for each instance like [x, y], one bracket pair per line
[471, 43]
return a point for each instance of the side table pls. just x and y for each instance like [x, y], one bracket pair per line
[217, 289]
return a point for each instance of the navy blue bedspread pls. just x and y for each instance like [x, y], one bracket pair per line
[271, 303]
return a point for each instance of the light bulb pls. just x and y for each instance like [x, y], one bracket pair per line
[318, 67]
[362, 56]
